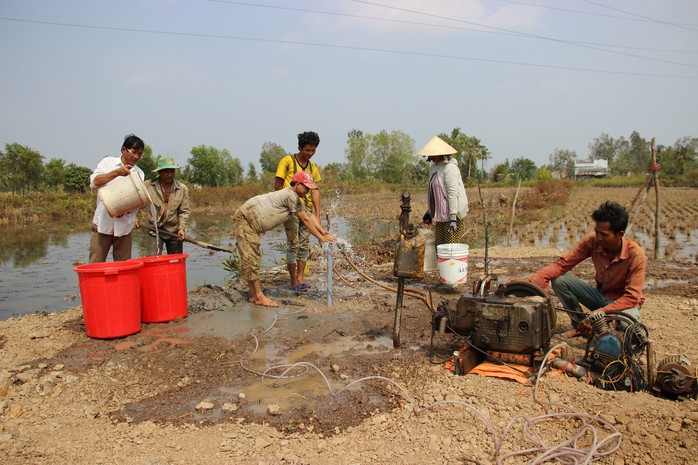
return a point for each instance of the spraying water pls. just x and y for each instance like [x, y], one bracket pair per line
[154, 214]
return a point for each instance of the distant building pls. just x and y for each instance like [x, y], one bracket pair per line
[591, 169]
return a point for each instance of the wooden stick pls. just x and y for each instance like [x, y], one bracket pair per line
[191, 241]
[656, 194]
[513, 213]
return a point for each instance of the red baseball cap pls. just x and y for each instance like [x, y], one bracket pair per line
[305, 179]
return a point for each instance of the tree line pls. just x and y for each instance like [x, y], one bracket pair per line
[388, 157]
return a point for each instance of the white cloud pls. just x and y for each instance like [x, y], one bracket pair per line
[425, 18]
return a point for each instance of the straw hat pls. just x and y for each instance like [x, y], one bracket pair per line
[435, 147]
[166, 163]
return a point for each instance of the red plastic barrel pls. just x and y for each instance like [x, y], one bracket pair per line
[163, 287]
[111, 298]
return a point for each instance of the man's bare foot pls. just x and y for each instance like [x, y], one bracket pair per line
[264, 302]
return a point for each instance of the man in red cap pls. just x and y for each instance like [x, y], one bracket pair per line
[263, 213]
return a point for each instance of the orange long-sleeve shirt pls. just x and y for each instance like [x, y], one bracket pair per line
[620, 279]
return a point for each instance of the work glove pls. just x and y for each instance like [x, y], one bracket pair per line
[452, 226]
[426, 219]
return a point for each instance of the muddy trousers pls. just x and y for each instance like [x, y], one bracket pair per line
[248, 243]
[101, 243]
[572, 292]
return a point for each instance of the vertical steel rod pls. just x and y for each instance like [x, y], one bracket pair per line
[398, 312]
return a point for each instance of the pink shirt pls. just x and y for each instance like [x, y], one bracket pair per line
[620, 279]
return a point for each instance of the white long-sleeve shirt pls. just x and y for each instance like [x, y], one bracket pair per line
[106, 224]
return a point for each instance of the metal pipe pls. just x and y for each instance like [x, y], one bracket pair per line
[329, 275]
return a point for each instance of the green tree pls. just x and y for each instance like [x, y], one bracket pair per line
[22, 168]
[563, 162]
[523, 168]
[357, 155]
[681, 158]
[252, 172]
[605, 147]
[544, 174]
[390, 155]
[334, 171]
[271, 155]
[214, 168]
[471, 152]
[77, 178]
[236, 173]
[500, 172]
[54, 173]
[147, 162]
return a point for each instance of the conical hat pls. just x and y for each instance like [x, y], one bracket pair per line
[436, 146]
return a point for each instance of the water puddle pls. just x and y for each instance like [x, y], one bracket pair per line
[655, 283]
[302, 385]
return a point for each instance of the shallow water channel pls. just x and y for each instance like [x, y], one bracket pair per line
[36, 267]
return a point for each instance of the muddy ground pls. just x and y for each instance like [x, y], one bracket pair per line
[194, 391]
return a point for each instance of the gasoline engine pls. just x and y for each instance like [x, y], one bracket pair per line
[511, 325]
[515, 322]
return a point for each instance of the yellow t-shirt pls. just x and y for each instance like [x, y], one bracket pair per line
[288, 166]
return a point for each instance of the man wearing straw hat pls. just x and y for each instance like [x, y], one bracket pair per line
[171, 203]
[109, 232]
[447, 201]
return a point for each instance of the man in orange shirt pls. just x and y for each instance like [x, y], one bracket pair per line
[620, 272]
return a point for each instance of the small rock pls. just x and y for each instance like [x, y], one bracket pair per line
[622, 419]
[689, 444]
[273, 410]
[651, 441]
[633, 427]
[241, 395]
[42, 366]
[343, 376]
[204, 405]
[229, 408]
[675, 427]
[693, 416]
[27, 375]
[41, 334]
[261, 443]
[58, 367]
[335, 368]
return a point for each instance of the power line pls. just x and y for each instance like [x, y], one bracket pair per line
[580, 12]
[524, 34]
[444, 26]
[654, 20]
[344, 47]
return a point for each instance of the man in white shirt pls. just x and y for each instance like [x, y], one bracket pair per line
[108, 232]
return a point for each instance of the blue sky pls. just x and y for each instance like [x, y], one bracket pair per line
[525, 77]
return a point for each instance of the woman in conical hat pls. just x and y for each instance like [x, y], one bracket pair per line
[447, 201]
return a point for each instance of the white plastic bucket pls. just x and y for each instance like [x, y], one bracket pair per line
[124, 194]
[453, 263]
[430, 261]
